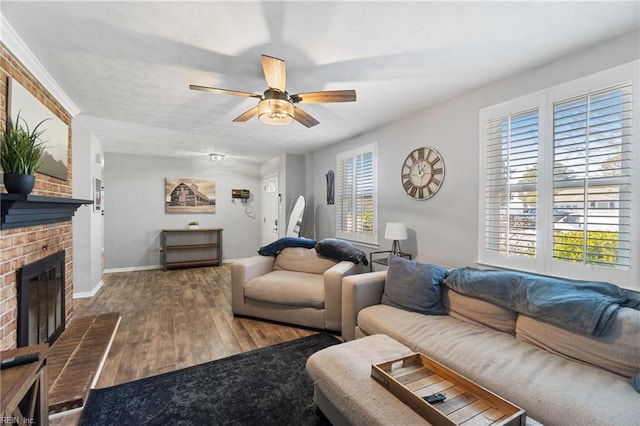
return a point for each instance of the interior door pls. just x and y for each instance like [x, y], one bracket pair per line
[270, 204]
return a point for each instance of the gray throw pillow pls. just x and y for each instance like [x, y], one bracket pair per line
[337, 249]
[414, 286]
[635, 382]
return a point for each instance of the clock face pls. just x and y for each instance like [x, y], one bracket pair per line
[422, 173]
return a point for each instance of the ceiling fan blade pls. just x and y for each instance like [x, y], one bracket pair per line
[247, 114]
[325, 97]
[304, 118]
[275, 72]
[224, 91]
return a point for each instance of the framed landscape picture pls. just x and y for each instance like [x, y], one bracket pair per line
[186, 195]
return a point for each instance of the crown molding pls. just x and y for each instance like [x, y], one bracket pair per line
[21, 51]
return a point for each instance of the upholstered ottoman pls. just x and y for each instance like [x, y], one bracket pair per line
[345, 392]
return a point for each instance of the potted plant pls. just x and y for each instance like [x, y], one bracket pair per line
[20, 153]
[194, 225]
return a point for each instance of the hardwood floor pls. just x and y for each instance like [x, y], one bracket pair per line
[175, 319]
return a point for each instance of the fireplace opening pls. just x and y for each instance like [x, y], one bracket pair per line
[41, 300]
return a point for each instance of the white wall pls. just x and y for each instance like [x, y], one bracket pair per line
[444, 229]
[295, 185]
[135, 208]
[291, 170]
[88, 235]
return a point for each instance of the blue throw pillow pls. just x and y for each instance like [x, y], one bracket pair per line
[278, 245]
[414, 286]
[334, 248]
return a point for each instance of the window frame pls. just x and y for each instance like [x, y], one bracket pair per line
[356, 236]
[544, 101]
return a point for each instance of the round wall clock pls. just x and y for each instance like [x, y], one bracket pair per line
[422, 173]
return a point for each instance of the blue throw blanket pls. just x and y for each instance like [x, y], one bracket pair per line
[581, 306]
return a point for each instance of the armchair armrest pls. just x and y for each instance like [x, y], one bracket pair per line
[333, 292]
[242, 271]
[358, 292]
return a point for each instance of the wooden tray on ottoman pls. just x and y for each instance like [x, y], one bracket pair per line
[467, 403]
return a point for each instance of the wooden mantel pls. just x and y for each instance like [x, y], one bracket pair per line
[18, 210]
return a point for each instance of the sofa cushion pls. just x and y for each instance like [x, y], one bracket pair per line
[280, 244]
[551, 388]
[302, 260]
[334, 248]
[478, 311]
[414, 286]
[287, 288]
[617, 351]
[587, 307]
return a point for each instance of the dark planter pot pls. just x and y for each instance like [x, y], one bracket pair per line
[19, 184]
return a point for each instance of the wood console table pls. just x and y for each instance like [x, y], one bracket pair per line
[24, 388]
[191, 247]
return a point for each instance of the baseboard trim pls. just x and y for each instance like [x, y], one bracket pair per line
[131, 269]
[91, 293]
[148, 268]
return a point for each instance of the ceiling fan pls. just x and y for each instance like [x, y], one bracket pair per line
[276, 106]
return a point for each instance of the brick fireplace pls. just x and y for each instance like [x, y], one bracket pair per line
[28, 244]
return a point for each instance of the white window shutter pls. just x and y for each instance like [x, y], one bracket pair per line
[356, 194]
[592, 178]
[511, 184]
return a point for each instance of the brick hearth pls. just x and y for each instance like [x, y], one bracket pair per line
[75, 359]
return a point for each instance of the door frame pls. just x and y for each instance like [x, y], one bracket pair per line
[276, 212]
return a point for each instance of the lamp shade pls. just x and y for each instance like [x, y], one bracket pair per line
[395, 231]
[275, 111]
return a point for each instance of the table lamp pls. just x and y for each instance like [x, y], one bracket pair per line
[395, 231]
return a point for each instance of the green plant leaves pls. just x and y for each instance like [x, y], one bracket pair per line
[21, 148]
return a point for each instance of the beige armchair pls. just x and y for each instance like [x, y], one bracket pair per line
[297, 286]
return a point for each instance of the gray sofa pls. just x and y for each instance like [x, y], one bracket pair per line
[297, 286]
[559, 377]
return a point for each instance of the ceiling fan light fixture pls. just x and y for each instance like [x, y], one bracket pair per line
[276, 106]
[275, 111]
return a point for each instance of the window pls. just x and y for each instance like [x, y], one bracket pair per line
[512, 184]
[356, 194]
[557, 183]
[591, 178]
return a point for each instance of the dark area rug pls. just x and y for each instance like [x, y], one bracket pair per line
[266, 386]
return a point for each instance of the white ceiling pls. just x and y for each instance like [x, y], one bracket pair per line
[127, 65]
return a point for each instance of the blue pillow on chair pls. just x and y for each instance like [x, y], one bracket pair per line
[278, 245]
[334, 248]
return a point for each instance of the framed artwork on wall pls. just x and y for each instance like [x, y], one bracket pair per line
[55, 160]
[186, 195]
[330, 187]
